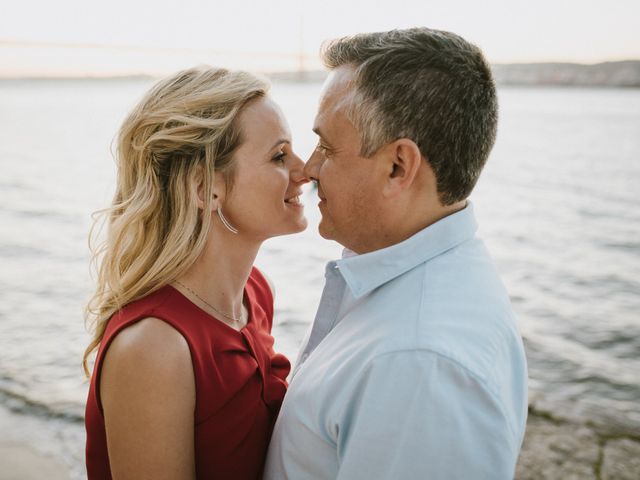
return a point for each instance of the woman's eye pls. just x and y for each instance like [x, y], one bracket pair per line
[280, 157]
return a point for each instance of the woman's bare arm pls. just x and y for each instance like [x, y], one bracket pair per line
[147, 390]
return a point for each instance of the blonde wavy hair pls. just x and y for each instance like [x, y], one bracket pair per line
[181, 132]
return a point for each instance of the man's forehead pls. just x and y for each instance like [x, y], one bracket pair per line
[339, 80]
[337, 91]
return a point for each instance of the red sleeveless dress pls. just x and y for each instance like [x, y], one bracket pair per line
[240, 382]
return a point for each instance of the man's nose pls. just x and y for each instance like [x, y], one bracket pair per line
[312, 167]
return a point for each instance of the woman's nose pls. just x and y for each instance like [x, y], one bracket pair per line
[297, 171]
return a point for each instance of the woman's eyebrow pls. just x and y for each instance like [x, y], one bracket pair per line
[280, 142]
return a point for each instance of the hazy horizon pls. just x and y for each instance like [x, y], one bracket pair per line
[294, 74]
[71, 38]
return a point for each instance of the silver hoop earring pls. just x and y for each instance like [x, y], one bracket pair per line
[225, 222]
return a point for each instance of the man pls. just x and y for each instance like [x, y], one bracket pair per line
[414, 367]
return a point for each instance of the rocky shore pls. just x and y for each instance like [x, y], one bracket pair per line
[555, 449]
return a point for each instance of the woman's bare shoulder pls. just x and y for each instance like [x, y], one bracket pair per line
[149, 355]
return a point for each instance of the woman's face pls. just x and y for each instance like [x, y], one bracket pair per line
[264, 200]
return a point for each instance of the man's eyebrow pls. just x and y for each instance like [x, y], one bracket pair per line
[317, 131]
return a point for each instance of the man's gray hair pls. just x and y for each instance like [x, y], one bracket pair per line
[430, 86]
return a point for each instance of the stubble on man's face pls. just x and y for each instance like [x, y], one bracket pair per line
[346, 181]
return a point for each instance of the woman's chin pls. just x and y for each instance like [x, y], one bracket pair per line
[303, 225]
[298, 226]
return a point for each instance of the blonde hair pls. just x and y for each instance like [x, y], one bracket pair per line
[181, 132]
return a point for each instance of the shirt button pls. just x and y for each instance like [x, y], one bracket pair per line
[305, 356]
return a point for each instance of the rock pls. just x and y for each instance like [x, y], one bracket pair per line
[621, 460]
[557, 451]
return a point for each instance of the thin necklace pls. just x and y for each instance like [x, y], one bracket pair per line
[226, 315]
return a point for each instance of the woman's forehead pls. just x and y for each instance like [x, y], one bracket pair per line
[263, 124]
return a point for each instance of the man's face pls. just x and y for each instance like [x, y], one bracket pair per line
[349, 186]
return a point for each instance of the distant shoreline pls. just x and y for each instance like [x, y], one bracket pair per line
[624, 74]
[619, 74]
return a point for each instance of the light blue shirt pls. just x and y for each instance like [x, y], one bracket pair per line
[413, 368]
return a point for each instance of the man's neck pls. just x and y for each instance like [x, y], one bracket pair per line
[402, 227]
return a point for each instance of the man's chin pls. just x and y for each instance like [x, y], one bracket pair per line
[324, 234]
[324, 231]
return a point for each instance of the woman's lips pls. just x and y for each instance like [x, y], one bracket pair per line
[293, 201]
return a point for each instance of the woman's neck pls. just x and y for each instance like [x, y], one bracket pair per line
[221, 271]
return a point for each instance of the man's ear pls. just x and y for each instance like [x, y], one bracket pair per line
[404, 162]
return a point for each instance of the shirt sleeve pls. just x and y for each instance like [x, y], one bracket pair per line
[419, 415]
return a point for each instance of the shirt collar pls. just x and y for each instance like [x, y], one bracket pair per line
[363, 273]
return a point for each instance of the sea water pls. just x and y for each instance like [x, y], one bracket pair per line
[558, 207]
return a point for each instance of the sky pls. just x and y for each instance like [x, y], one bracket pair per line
[118, 37]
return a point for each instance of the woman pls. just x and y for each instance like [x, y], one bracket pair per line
[186, 383]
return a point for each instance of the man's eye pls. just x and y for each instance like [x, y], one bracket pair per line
[322, 149]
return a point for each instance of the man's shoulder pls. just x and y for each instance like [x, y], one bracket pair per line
[488, 350]
[453, 305]
[456, 307]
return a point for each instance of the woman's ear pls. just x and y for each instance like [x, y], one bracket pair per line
[217, 189]
[405, 160]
